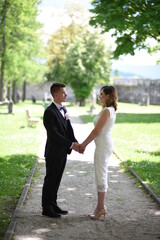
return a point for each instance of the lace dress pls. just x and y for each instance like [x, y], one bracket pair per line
[103, 151]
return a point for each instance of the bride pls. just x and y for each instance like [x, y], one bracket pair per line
[102, 135]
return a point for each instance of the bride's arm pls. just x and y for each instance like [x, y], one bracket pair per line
[98, 128]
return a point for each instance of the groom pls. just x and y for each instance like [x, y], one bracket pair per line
[60, 142]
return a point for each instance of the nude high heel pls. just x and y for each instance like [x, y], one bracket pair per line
[99, 214]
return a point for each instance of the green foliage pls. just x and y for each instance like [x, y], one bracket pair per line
[132, 23]
[77, 57]
[61, 39]
[57, 47]
[87, 63]
[21, 48]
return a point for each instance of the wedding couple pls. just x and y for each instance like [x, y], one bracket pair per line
[61, 141]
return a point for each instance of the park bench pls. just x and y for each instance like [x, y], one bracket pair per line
[31, 120]
[9, 105]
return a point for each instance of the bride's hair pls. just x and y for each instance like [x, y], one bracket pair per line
[112, 92]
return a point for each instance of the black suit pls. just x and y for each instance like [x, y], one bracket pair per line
[60, 136]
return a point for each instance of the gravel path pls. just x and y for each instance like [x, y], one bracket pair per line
[131, 213]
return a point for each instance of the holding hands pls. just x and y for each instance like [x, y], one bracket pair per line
[79, 147]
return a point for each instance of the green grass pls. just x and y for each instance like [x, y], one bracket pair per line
[18, 151]
[136, 137]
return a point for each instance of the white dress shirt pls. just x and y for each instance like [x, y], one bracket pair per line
[59, 106]
[63, 114]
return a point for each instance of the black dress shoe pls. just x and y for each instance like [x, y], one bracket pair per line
[59, 211]
[50, 213]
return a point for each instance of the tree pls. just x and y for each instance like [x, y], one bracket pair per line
[132, 23]
[87, 63]
[3, 44]
[20, 42]
[77, 57]
[57, 46]
[62, 38]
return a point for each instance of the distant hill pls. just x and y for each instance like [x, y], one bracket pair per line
[126, 74]
[133, 71]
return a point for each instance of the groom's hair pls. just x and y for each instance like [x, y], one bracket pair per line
[55, 87]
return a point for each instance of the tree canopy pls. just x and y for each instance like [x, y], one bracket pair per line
[87, 63]
[78, 57]
[132, 22]
[56, 48]
[63, 37]
[19, 42]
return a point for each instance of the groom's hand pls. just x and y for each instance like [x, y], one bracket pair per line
[75, 147]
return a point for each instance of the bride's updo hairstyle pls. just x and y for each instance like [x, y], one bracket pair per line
[112, 92]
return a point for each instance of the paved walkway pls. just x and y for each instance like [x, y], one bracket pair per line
[132, 214]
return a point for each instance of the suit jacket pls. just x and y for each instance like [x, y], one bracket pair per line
[60, 133]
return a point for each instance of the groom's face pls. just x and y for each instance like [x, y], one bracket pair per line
[60, 96]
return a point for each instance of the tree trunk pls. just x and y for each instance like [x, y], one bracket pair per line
[9, 91]
[14, 93]
[82, 103]
[24, 91]
[3, 52]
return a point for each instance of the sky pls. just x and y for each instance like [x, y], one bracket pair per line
[51, 15]
[61, 3]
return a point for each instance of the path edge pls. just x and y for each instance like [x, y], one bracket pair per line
[134, 174]
[12, 225]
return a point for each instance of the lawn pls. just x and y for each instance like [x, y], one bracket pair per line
[18, 151]
[136, 136]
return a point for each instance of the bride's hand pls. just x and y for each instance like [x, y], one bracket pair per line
[81, 148]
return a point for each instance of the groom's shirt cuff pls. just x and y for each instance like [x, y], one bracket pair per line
[71, 145]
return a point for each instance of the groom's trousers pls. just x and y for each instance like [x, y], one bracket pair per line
[54, 171]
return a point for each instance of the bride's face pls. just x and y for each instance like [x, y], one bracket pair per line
[103, 97]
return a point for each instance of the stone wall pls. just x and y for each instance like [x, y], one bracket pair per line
[42, 92]
[142, 91]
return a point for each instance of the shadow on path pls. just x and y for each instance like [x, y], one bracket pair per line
[131, 213]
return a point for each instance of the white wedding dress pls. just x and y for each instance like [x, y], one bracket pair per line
[103, 150]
